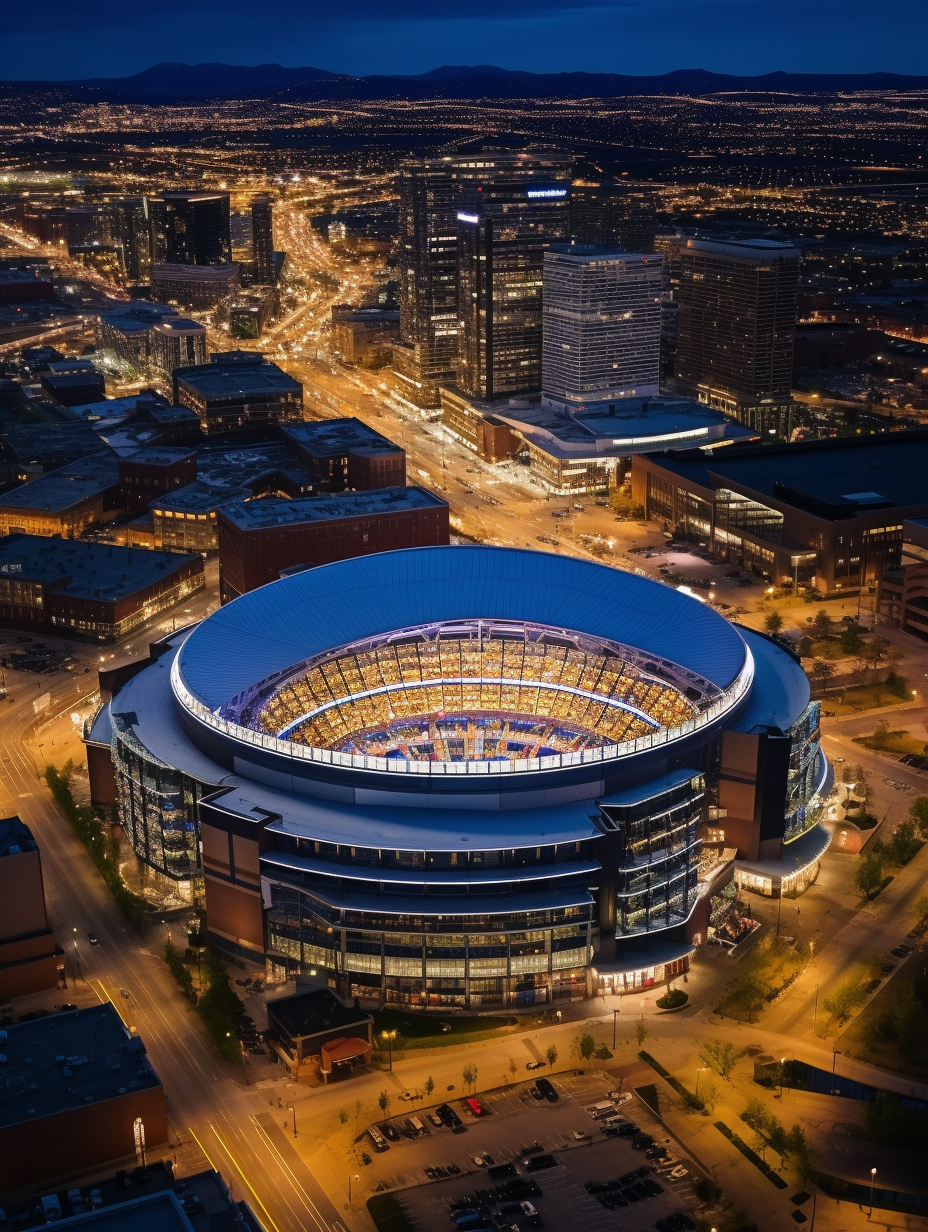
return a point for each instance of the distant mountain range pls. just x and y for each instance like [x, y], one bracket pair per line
[177, 83]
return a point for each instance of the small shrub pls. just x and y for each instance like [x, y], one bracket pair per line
[672, 998]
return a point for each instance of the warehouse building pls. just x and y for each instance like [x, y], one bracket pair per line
[76, 1084]
[95, 591]
[66, 501]
[260, 539]
[347, 454]
[827, 514]
[238, 390]
[30, 956]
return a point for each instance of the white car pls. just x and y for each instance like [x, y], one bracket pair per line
[618, 1099]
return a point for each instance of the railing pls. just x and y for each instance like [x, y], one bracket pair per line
[728, 700]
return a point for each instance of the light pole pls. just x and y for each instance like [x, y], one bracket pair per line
[615, 1020]
[389, 1036]
[872, 1179]
[357, 1177]
[698, 1072]
[782, 1068]
[292, 1110]
[815, 1012]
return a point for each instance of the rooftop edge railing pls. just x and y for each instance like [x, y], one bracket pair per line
[728, 700]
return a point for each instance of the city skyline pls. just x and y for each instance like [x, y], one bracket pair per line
[108, 40]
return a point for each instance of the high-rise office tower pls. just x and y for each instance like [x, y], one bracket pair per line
[510, 212]
[190, 228]
[428, 283]
[614, 214]
[435, 245]
[737, 321]
[131, 231]
[262, 241]
[602, 324]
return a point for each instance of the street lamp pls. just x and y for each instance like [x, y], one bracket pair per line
[698, 1072]
[814, 1007]
[389, 1037]
[615, 1019]
[872, 1179]
[357, 1177]
[782, 1068]
[290, 1108]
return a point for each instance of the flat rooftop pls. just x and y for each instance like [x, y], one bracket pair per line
[589, 254]
[756, 249]
[152, 1202]
[236, 379]
[311, 1013]
[257, 514]
[50, 444]
[95, 570]
[136, 316]
[326, 438]
[63, 489]
[225, 475]
[67, 1060]
[159, 455]
[837, 477]
[639, 425]
[15, 837]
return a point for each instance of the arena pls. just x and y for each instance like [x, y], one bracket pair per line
[465, 777]
[477, 689]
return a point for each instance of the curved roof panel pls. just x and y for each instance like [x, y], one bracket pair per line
[306, 614]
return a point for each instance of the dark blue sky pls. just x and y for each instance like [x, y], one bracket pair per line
[62, 39]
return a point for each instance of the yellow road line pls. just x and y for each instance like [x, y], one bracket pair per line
[239, 1168]
[104, 995]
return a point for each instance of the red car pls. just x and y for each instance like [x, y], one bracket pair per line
[476, 1107]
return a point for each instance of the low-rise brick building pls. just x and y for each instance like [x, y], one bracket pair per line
[259, 539]
[95, 591]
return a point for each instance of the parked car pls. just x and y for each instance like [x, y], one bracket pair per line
[547, 1090]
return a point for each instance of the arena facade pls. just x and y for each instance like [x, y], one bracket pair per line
[466, 776]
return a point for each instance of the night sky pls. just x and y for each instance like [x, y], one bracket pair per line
[61, 39]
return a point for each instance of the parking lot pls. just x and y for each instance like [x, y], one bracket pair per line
[517, 1128]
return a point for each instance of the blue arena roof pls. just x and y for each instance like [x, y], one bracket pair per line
[321, 609]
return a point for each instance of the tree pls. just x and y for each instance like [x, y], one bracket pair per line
[869, 875]
[721, 1056]
[822, 671]
[851, 641]
[469, 1075]
[903, 844]
[641, 1031]
[383, 1099]
[429, 1085]
[551, 1056]
[586, 1046]
[513, 1066]
[623, 506]
[804, 649]
[821, 624]
[874, 651]
[343, 1116]
[880, 737]
[918, 814]
[896, 684]
[774, 622]
[709, 1093]
[863, 788]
